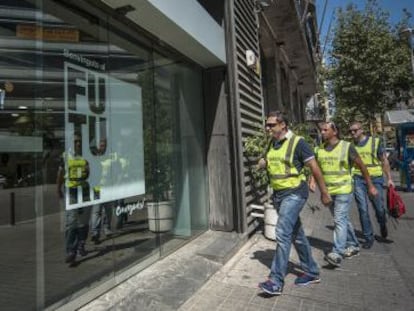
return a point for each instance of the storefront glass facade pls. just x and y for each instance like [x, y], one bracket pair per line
[102, 162]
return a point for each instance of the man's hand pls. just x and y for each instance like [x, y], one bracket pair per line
[372, 191]
[326, 198]
[390, 183]
[262, 163]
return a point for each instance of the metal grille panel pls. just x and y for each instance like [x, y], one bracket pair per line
[248, 89]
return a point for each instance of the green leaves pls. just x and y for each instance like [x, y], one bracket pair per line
[255, 147]
[369, 63]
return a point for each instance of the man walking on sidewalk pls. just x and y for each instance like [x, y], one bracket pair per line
[336, 158]
[374, 157]
[284, 161]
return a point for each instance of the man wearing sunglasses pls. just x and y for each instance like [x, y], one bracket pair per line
[375, 159]
[336, 158]
[284, 161]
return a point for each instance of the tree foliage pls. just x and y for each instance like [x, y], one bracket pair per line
[370, 63]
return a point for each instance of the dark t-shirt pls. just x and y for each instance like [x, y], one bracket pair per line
[302, 153]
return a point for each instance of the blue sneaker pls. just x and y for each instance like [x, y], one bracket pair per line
[271, 288]
[306, 279]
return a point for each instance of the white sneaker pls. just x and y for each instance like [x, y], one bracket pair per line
[351, 251]
[334, 259]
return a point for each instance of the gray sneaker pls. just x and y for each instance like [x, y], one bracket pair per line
[351, 251]
[334, 259]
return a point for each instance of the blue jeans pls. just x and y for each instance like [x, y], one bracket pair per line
[377, 202]
[289, 229]
[101, 215]
[76, 228]
[344, 234]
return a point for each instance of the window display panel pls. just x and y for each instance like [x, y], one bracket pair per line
[100, 176]
[131, 126]
[181, 178]
[101, 152]
[73, 156]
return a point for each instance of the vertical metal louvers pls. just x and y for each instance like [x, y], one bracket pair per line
[248, 90]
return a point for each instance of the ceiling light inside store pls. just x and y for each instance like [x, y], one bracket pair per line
[22, 107]
[23, 120]
[15, 115]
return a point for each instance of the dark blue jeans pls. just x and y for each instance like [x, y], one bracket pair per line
[289, 229]
[361, 198]
[76, 228]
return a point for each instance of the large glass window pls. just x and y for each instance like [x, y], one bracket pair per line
[101, 152]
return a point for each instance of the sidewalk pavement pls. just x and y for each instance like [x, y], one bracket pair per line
[381, 278]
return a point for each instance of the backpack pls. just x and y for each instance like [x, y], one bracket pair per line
[395, 205]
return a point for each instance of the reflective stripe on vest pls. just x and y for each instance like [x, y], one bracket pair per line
[282, 172]
[335, 168]
[77, 172]
[368, 154]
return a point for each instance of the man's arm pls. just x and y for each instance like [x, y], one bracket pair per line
[317, 175]
[386, 168]
[371, 188]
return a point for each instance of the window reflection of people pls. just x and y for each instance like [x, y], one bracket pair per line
[102, 213]
[123, 169]
[74, 179]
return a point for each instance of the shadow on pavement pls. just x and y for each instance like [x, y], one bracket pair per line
[264, 257]
[383, 240]
[320, 244]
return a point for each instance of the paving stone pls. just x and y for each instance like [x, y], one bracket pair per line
[381, 278]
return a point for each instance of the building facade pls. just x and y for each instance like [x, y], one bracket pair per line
[122, 130]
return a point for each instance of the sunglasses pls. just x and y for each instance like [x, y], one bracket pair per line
[271, 124]
[354, 130]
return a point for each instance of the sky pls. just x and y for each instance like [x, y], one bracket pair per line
[394, 7]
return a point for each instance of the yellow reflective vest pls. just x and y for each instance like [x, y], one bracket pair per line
[108, 163]
[77, 171]
[335, 168]
[282, 172]
[368, 154]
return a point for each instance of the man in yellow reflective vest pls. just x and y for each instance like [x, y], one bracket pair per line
[74, 178]
[373, 155]
[102, 213]
[285, 159]
[336, 158]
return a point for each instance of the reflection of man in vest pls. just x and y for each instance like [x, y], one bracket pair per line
[75, 180]
[336, 158]
[285, 159]
[373, 155]
[98, 218]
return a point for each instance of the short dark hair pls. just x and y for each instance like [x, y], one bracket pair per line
[280, 116]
